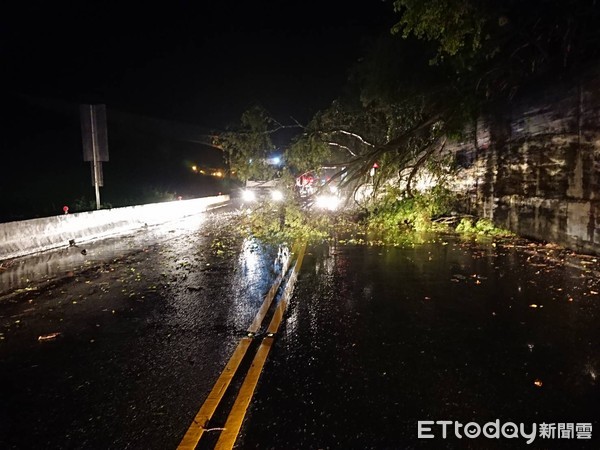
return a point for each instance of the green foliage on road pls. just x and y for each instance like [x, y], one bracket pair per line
[392, 217]
[391, 220]
[289, 223]
[485, 227]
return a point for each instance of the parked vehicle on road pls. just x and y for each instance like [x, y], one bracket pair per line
[256, 191]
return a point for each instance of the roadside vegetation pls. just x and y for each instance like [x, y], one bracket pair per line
[419, 86]
[407, 221]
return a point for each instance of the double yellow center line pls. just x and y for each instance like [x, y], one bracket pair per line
[238, 411]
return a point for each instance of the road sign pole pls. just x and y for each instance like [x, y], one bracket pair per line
[95, 161]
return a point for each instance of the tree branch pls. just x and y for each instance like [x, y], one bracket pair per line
[298, 124]
[335, 144]
[360, 166]
[354, 135]
[419, 163]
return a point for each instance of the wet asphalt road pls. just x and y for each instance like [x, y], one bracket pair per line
[143, 336]
[379, 338]
[375, 339]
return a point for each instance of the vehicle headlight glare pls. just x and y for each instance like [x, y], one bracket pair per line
[276, 196]
[248, 196]
[330, 202]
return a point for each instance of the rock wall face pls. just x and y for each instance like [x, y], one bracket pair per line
[534, 168]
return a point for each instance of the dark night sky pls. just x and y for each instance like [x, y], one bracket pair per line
[194, 62]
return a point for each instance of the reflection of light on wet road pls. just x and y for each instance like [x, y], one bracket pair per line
[169, 233]
[435, 329]
[249, 259]
[590, 370]
[23, 272]
[253, 278]
[243, 397]
[329, 262]
[291, 324]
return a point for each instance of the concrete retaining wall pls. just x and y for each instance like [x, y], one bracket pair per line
[36, 235]
[534, 167]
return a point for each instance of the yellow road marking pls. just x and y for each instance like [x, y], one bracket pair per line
[198, 426]
[262, 312]
[236, 416]
[208, 408]
[238, 411]
[278, 315]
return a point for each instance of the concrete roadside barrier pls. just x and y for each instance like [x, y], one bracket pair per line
[37, 235]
